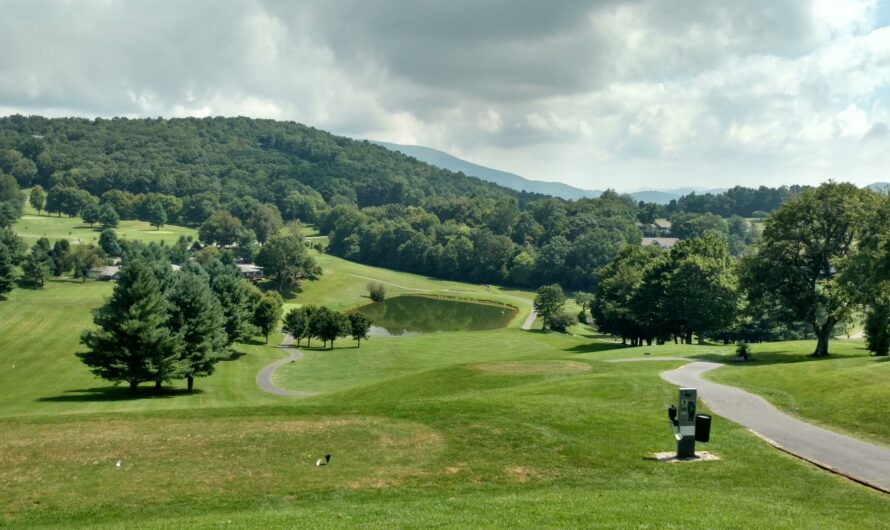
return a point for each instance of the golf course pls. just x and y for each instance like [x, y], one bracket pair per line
[448, 429]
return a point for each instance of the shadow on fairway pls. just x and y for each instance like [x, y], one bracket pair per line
[117, 393]
[595, 347]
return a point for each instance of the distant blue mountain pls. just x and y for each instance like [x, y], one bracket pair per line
[509, 180]
[880, 187]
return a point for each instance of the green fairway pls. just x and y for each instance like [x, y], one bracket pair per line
[500, 428]
[32, 227]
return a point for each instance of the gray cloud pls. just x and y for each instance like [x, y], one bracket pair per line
[603, 87]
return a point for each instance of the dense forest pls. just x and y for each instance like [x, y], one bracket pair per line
[239, 179]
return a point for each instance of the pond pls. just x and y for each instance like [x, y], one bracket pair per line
[414, 315]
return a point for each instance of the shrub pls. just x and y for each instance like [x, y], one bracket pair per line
[561, 321]
[377, 291]
[743, 350]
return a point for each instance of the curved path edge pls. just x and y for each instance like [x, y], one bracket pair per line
[860, 461]
[264, 377]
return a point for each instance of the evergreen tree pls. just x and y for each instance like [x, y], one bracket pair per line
[232, 292]
[108, 242]
[268, 313]
[38, 264]
[198, 321]
[6, 271]
[61, 257]
[359, 325]
[132, 341]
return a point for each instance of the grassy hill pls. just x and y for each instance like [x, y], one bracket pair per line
[461, 429]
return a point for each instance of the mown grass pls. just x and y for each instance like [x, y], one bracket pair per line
[32, 226]
[419, 435]
[846, 392]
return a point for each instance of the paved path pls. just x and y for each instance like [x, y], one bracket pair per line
[530, 321]
[860, 461]
[264, 378]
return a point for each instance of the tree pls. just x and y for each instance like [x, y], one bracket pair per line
[296, 323]
[90, 214]
[618, 283]
[11, 200]
[61, 257]
[133, 341]
[38, 264]
[231, 289]
[109, 243]
[268, 313]
[284, 258]
[84, 258]
[584, 300]
[327, 325]
[806, 245]
[702, 289]
[108, 216]
[549, 302]
[377, 291]
[37, 198]
[156, 215]
[265, 221]
[7, 272]
[359, 325]
[221, 228]
[198, 322]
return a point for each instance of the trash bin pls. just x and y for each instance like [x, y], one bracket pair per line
[702, 428]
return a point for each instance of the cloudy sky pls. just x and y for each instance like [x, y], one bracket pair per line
[603, 93]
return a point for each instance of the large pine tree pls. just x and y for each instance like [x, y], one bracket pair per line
[133, 342]
[198, 320]
[38, 265]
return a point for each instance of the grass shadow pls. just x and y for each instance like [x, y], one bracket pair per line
[592, 347]
[117, 393]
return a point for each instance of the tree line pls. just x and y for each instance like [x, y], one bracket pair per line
[823, 255]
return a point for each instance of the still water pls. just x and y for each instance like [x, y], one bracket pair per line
[414, 315]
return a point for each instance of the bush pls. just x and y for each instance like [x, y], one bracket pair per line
[743, 350]
[561, 321]
[377, 291]
[582, 316]
[877, 330]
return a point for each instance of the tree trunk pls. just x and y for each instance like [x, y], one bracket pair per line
[701, 338]
[648, 341]
[191, 382]
[823, 333]
[688, 337]
[267, 338]
[624, 341]
[133, 385]
[157, 385]
[332, 344]
[359, 342]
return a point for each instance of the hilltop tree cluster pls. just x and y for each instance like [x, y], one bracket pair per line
[324, 324]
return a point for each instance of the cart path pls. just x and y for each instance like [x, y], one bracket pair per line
[264, 378]
[855, 459]
[530, 321]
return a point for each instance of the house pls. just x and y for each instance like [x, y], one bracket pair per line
[106, 273]
[662, 226]
[660, 242]
[250, 271]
